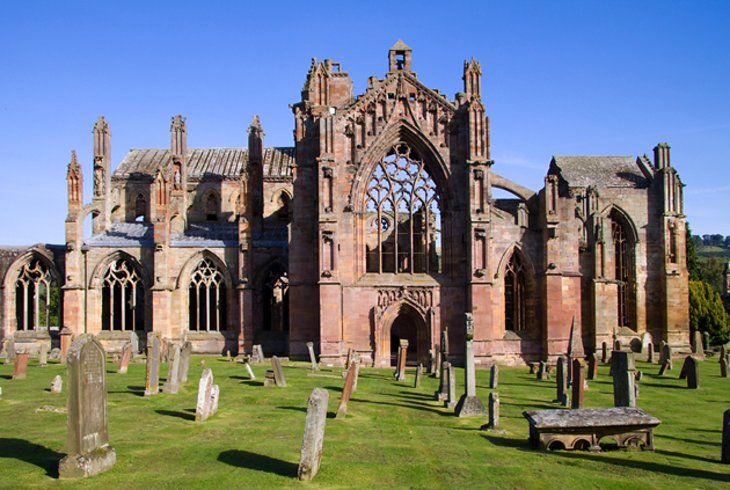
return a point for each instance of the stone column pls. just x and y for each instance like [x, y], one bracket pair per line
[470, 405]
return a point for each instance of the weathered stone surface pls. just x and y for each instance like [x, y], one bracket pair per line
[691, 371]
[493, 410]
[152, 380]
[89, 452]
[57, 384]
[402, 357]
[311, 454]
[561, 381]
[215, 394]
[723, 367]
[493, 377]
[592, 366]
[443, 392]
[575, 342]
[578, 384]
[269, 379]
[172, 382]
[125, 358]
[542, 372]
[65, 337]
[470, 405]
[346, 391]
[185, 353]
[43, 354]
[604, 352]
[312, 357]
[697, 343]
[646, 341]
[624, 367]
[249, 370]
[450, 375]
[725, 455]
[203, 408]
[417, 378]
[20, 365]
[278, 372]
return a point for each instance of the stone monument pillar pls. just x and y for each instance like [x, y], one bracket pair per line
[470, 405]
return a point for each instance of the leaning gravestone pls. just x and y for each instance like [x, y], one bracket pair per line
[346, 391]
[152, 379]
[20, 365]
[125, 358]
[172, 382]
[43, 354]
[691, 371]
[356, 363]
[470, 405]
[185, 353]
[402, 356]
[624, 367]
[312, 357]
[493, 377]
[419, 373]
[89, 452]
[311, 453]
[203, 408]
[57, 384]
[278, 372]
[249, 371]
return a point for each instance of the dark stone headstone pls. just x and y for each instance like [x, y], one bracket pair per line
[706, 340]
[578, 384]
[311, 453]
[592, 366]
[725, 458]
[152, 380]
[691, 371]
[493, 403]
[723, 367]
[604, 352]
[89, 452]
[493, 377]
[541, 371]
[561, 380]
[419, 373]
[650, 353]
[623, 367]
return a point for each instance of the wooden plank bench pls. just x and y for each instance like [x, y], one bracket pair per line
[584, 428]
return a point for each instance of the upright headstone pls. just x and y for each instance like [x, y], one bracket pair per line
[650, 353]
[20, 365]
[561, 383]
[402, 357]
[604, 352]
[592, 366]
[450, 375]
[575, 348]
[65, 337]
[312, 357]
[725, 456]
[542, 371]
[346, 392]
[493, 410]
[646, 340]
[470, 405]
[431, 362]
[134, 342]
[624, 367]
[437, 367]
[215, 395]
[697, 343]
[152, 380]
[578, 384]
[89, 452]
[125, 358]
[443, 392]
[57, 384]
[493, 377]
[617, 344]
[185, 353]
[43, 354]
[205, 390]
[278, 371]
[723, 367]
[723, 352]
[311, 453]
[691, 371]
[172, 384]
[261, 353]
[706, 340]
[419, 373]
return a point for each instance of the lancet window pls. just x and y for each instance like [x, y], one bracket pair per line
[403, 216]
[514, 294]
[623, 267]
[122, 297]
[36, 296]
[207, 297]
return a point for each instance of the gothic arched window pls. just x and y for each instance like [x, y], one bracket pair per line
[122, 297]
[211, 207]
[403, 217]
[514, 294]
[207, 297]
[36, 297]
[624, 271]
[140, 208]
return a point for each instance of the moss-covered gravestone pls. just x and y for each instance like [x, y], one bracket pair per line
[89, 452]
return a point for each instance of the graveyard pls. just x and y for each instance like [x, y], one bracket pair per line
[391, 434]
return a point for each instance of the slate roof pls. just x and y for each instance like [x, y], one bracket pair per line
[599, 171]
[206, 162]
[124, 235]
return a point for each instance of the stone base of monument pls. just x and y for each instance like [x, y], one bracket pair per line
[83, 465]
[470, 406]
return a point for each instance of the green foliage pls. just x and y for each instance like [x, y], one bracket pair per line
[707, 312]
[394, 435]
[693, 263]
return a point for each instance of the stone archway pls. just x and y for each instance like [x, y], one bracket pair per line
[403, 321]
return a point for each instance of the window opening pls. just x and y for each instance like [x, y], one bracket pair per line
[207, 298]
[514, 295]
[122, 297]
[36, 297]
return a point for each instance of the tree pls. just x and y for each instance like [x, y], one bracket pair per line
[693, 263]
[707, 312]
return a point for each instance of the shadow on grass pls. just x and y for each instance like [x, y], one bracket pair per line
[258, 462]
[687, 456]
[674, 387]
[252, 383]
[692, 441]
[31, 453]
[6, 376]
[522, 444]
[296, 409]
[413, 394]
[180, 415]
[646, 466]
[242, 378]
[423, 408]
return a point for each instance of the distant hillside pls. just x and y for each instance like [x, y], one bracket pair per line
[709, 251]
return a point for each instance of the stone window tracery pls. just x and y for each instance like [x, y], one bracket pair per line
[623, 260]
[403, 216]
[207, 297]
[122, 297]
[36, 296]
[514, 294]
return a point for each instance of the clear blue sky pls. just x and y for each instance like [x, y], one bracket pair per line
[584, 78]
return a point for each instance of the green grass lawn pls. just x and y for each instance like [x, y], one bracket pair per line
[394, 436]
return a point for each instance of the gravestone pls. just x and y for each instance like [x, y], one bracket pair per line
[578, 384]
[493, 410]
[258, 354]
[542, 371]
[278, 372]
[43, 354]
[346, 391]
[561, 380]
[723, 367]
[617, 345]
[215, 394]
[203, 408]
[666, 358]
[55, 354]
[399, 354]
[450, 375]
[706, 340]
[312, 357]
[725, 455]
[691, 371]
[185, 353]
[89, 452]
[493, 377]
[402, 360]
[437, 367]
[134, 342]
[125, 358]
[152, 380]
[57, 384]
[20, 365]
[172, 383]
[533, 367]
[247, 365]
[470, 405]
[356, 363]
[65, 337]
[624, 367]
[592, 367]
[431, 362]
[419, 372]
[443, 392]
[723, 352]
[604, 352]
[311, 453]
[697, 343]
[646, 341]
[650, 353]
[269, 379]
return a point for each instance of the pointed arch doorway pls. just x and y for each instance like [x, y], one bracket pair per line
[406, 322]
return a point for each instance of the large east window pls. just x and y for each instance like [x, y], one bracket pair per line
[514, 294]
[623, 261]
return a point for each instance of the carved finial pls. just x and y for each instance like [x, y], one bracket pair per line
[101, 124]
[472, 77]
[255, 125]
[74, 162]
[178, 122]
